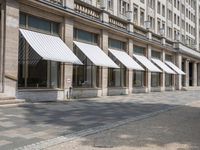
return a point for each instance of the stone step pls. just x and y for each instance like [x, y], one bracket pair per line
[8, 100]
[11, 101]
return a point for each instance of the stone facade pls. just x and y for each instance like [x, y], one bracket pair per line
[75, 13]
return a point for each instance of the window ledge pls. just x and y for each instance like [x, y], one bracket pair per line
[38, 90]
[87, 88]
[117, 87]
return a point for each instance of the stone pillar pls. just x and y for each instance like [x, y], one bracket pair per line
[178, 78]
[186, 73]
[11, 43]
[194, 82]
[104, 46]
[130, 71]
[68, 68]
[198, 74]
[1, 47]
[163, 73]
[148, 72]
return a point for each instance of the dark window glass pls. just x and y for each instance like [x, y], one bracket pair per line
[22, 20]
[155, 79]
[85, 36]
[168, 80]
[55, 28]
[37, 23]
[34, 72]
[155, 54]
[117, 77]
[139, 50]
[116, 44]
[138, 79]
[86, 75]
[168, 58]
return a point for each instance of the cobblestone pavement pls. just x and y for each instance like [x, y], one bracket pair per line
[43, 125]
[177, 129]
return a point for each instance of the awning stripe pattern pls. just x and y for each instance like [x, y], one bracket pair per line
[175, 68]
[147, 63]
[96, 55]
[126, 60]
[50, 47]
[163, 66]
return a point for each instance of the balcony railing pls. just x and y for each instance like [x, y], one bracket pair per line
[86, 11]
[117, 23]
[56, 2]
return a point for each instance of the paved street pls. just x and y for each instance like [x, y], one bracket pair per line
[178, 129]
[38, 126]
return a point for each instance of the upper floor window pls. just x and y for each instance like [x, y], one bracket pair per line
[110, 4]
[141, 17]
[85, 36]
[152, 4]
[135, 14]
[116, 44]
[42, 25]
[158, 7]
[123, 6]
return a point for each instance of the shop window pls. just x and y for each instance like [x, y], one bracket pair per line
[87, 75]
[33, 71]
[117, 77]
[168, 80]
[155, 79]
[138, 78]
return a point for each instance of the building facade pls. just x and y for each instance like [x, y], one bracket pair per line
[57, 49]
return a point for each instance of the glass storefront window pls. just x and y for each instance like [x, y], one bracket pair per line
[33, 71]
[138, 78]
[168, 80]
[155, 79]
[87, 75]
[117, 77]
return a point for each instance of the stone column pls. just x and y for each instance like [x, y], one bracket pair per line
[68, 68]
[130, 71]
[163, 73]
[178, 78]
[1, 47]
[194, 82]
[148, 72]
[11, 42]
[198, 74]
[186, 73]
[104, 46]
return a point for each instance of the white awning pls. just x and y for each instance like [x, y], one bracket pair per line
[174, 67]
[126, 60]
[163, 66]
[147, 63]
[50, 47]
[96, 55]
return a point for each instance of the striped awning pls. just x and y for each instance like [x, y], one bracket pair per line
[50, 47]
